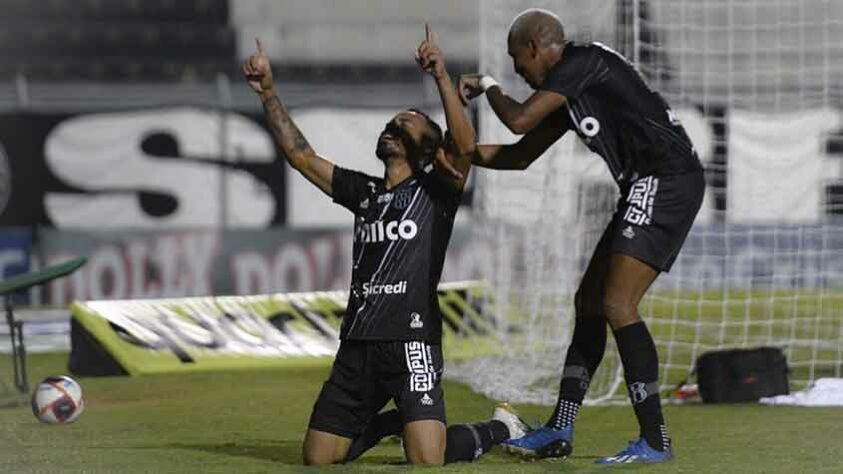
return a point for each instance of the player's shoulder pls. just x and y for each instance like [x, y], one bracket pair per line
[608, 54]
[576, 57]
[579, 51]
[574, 48]
[436, 185]
[429, 178]
[584, 52]
[358, 177]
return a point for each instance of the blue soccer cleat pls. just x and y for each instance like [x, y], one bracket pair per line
[543, 442]
[638, 452]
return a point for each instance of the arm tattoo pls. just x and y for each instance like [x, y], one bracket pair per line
[287, 134]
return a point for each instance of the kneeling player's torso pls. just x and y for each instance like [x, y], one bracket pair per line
[398, 239]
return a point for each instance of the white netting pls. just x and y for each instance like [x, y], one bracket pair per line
[757, 85]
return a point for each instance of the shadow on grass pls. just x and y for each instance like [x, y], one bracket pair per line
[287, 452]
[284, 452]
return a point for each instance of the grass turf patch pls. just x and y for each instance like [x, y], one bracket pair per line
[253, 421]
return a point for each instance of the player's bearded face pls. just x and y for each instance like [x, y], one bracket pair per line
[392, 142]
[396, 141]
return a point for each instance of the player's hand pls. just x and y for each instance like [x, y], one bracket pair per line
[469, 87]
[444, 166]
[430, 57]
[257, 71]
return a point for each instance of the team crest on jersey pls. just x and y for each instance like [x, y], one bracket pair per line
[403, 199]
[364, 204]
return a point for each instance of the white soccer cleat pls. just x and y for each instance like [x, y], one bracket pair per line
[507, 415]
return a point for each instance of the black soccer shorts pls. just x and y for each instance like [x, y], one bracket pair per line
[654, 218]
[367, 374]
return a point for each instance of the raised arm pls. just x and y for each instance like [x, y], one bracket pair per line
[519, 118]
[462, 144]
[288, 137]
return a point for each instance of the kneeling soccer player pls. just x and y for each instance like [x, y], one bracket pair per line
[391, 336]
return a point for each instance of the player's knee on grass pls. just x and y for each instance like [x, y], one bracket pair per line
[424, 442]
[320, 448]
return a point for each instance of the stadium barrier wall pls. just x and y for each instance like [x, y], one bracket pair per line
[139, 337]
[152, 264]
[155, 264]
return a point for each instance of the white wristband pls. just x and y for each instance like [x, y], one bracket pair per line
[486, 82]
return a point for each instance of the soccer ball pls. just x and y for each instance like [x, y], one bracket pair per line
[57, 400]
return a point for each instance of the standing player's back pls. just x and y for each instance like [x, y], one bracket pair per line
[618, 115]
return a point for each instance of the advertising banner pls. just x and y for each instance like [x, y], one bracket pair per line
[140, 169]
[151, 264]
[15, 256]
[15, 252]
[138, 337]
[193, 167]
[174, 168]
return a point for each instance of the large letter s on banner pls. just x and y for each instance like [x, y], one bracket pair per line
[102, 154]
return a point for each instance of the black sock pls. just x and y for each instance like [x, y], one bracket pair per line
[469, 442]
[641, 371]
[584, 356]
[382, 425]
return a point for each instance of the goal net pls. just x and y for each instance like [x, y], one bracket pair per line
[757, 86]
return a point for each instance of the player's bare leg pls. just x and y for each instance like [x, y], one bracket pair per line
[628, 280]
[424, 442]
[588, 343]
[584, 354]
[321, 448]
[465, 442]
[626, 283]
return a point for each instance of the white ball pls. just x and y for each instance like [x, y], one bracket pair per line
[57, 399]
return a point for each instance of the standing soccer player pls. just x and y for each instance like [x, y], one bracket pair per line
[598, 94]
[391, 335]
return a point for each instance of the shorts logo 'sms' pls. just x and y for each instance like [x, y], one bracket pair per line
[381, 231]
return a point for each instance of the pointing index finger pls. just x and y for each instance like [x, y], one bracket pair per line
[428, 35]
[260, 46]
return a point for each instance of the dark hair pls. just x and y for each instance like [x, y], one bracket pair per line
[427, 148]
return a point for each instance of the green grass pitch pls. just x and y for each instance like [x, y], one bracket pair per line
[253, 421]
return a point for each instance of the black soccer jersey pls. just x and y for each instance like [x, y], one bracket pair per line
[618, 116]
[400, 238]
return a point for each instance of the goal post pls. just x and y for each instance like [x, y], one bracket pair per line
[757, 86]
